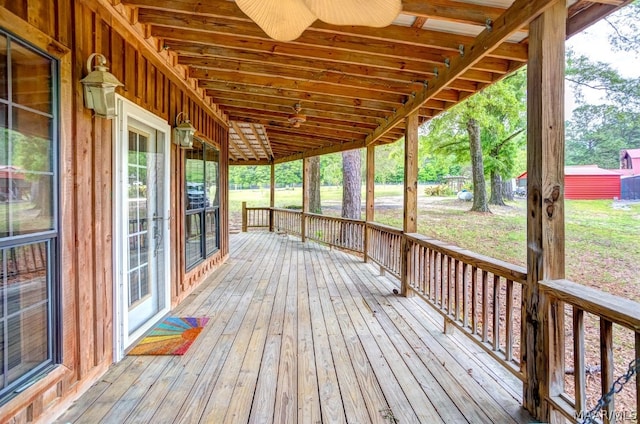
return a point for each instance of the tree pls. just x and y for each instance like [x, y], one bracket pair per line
[496, 116]
[351, 181]
[477, 167]
[600, 128]
[314, 185]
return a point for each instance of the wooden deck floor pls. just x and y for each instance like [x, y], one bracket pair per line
[299, 333]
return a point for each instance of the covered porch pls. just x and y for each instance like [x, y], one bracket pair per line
[303, 333]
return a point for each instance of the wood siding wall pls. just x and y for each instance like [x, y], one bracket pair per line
[72, 30]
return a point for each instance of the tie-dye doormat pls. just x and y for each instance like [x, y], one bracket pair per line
[171, 336]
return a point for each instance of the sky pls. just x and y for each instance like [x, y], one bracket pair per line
[594, 43]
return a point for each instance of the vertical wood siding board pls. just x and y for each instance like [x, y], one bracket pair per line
[129, 80]
[71, 100]
[82, 191]
[63, 29]
[97, 250]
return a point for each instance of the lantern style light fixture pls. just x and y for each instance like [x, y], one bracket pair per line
[100, 88]
[183, 132]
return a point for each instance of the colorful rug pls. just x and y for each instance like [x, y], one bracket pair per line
[171, 336]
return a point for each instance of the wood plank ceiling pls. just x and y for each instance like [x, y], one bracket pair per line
[355, 85]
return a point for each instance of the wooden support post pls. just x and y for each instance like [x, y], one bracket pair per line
[272, 195]
[370, 195]
[306, 175]
[244, 217]
[410, 224]
[543, 330]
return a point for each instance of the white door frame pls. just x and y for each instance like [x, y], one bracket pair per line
[126, 110]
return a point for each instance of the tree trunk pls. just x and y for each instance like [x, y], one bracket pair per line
[477, 167]
[507, 190]
[314, 185]
[351, 182]
[496, 190]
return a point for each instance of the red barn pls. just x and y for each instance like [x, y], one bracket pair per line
[587, 182]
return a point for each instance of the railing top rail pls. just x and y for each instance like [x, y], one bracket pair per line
[496, 266]
[386, 228]
[336, 218]
[616, 309]
[258, 208]
[285, 210]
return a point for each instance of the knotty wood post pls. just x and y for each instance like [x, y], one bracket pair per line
[272, 195]
[306, 174]
[410, 222]
[543, 329]
[369, 212]
[244, 217]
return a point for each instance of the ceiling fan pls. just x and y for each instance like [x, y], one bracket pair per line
[286, 20]
[296, 118]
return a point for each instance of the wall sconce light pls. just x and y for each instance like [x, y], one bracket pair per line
[100, 88]
[183, 132]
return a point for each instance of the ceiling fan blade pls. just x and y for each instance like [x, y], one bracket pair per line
[372, 13]
[282, 20]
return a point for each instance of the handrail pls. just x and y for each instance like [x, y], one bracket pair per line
[474, 294]
[616, 309]
[489, 264]
[611, 310]
[343, 233]
[286, 220]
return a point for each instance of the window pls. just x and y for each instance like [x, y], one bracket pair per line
[28, 213]
[202, 197]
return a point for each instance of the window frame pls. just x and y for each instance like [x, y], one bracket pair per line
[50, 238]
[202, 212]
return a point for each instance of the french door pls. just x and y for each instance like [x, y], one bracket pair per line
[142, 190]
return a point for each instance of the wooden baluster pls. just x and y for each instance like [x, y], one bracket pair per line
[606, 358]
[508, 353]
[638, 374]
[244, 217]
[456, 288]
[496, 312]
[578, 360]
[485, 306]
[474, 299]
[465, 295]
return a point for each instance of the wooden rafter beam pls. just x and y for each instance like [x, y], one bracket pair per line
[244, 139]
[521, 13]
[310, 109]
[230, 19]
[367, 115]
[279, 83]
[210, 70]
[247, 89]
[236, 148]
[282, 116]
[262, 145]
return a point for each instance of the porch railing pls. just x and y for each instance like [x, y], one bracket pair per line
[255, 217]
[613, 315]
[476, 294]
[384, 246]
[343, 233]
[480, 296]
[288, 221]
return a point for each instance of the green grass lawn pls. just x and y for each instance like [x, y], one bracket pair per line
[602, 241]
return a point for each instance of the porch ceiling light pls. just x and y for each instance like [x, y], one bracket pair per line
[100, 88]
[286, 20]
[183, 132]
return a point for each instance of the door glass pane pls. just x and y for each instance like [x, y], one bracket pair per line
[4, 76]
[211, 231]
[211, 167]
[196, 197]
[193, 239]
[31, 75]
[27, 299]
